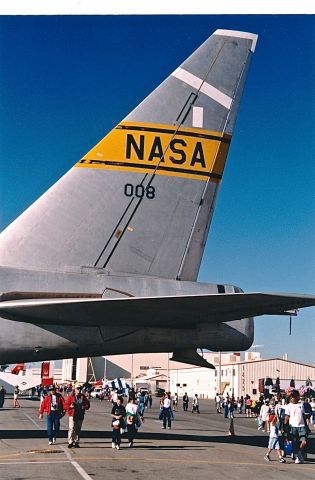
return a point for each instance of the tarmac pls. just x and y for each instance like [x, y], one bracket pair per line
[197, 446]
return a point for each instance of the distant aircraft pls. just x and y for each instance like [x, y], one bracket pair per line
[24, 382]
[106, 261]
[15, 376]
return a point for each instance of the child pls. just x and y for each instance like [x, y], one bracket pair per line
[274, 440]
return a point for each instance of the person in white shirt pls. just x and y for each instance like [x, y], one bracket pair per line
[133, 420]
[294, 416]
[264, 416]
[218, 402]
[166, 411]
[195, 404]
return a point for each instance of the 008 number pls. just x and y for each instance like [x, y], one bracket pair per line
[139, 191]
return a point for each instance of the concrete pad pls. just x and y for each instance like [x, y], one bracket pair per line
[196, 446]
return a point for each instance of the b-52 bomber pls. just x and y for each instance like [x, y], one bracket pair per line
[106, 261]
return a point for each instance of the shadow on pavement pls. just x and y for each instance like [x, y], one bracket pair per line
[256, 441]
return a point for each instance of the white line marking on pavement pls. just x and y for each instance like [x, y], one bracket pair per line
[78, 467]
[34, 463]
[33, 421]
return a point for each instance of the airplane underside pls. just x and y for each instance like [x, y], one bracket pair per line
[57, 342]
[109, 337]
[90, 312]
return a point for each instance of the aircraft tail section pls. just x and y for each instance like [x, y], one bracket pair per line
[142, 199]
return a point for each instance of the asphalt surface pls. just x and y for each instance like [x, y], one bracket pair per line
[197, 446]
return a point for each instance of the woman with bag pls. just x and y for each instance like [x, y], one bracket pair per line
[133, 420]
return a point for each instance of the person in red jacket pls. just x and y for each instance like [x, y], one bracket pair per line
[76, 406]
[53, 405]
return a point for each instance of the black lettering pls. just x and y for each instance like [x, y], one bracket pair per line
[178, 151]
[138, 149]
[150, 191]
[140, 191]
[128, 190]
[156, 149]
[198, 156]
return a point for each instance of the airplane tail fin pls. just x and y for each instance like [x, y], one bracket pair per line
[142, 199]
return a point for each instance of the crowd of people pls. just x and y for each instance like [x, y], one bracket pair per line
[56, 403]
[287, 418]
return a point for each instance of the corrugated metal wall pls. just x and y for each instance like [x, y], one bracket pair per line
[248, 374]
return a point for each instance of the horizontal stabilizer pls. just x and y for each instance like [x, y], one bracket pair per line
[192, 357]
[185, 311]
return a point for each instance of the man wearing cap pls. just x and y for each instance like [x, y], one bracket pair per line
[76, 406]
[53, 405]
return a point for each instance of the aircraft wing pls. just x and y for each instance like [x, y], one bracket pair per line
[169, 311]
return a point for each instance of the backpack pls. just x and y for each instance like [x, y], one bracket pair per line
[130, 419]
[288, 447]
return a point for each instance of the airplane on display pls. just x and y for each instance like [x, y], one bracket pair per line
[106, 261]
[24, 382]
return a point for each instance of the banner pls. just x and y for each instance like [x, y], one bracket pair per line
[45, 370]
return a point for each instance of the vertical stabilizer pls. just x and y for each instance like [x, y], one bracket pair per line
[142, 199]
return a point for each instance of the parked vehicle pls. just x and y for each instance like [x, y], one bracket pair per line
[97, 393]
[159, 392]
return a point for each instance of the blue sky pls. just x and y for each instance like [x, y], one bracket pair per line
[66, 81]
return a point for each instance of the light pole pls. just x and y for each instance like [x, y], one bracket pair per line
[232, 380]
[219, 373]
[105, 368]
[168, 372]
[132, 370]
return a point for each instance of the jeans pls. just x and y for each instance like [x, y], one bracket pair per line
[131, 432]
[141, 409]
[116, 436]
[53, 425]
[167, 417]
